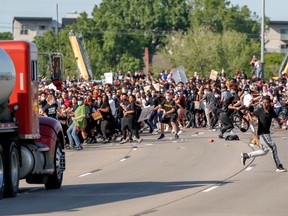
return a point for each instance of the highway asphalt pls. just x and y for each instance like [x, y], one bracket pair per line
[188, 176]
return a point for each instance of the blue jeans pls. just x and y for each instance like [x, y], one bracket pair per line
[278, 110]
[152, 121]
[73, 138]
[259, 73]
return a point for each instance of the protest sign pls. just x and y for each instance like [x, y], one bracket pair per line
[213, 75]
[178, 75]
[145, 113]
[108, 78]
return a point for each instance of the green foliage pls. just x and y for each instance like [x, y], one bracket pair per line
[128, 27]
[220, 16]
[272, 63]
[202, 50]
[6, 36]
[202, 34]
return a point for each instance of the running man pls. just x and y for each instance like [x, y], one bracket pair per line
[265, 114]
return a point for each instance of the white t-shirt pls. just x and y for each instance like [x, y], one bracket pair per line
[276, 102]
[112, 106]
[247, 99]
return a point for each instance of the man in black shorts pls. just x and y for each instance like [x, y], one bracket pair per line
[168, 107]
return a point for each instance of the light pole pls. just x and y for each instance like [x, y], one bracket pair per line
[263, 38]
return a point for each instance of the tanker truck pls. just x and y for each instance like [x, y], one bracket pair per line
[31, 147]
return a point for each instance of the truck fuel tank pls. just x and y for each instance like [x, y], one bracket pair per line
[7, 76]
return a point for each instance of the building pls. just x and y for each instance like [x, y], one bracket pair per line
[276, 38]
[26, 28]
[70, 18]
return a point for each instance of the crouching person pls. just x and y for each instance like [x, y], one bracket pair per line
[168, 106]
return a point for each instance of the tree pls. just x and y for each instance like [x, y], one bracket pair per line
[201, 50]
[130, 25]
[220, 16]
[6, 36]
[272, 63]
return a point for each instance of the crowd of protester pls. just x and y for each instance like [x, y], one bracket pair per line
[120, 104]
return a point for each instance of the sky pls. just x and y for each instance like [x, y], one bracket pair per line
[275, 9]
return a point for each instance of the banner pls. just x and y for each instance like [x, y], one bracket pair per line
[108, 78]
[178, 75]
[145, 113]
[213, 75]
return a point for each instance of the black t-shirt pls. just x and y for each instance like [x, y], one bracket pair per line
[131, 106]
[42, 103]
[154, 101]
[264, 120]
[106, 115]
[51, 110]
[169, 105]
[225, 105]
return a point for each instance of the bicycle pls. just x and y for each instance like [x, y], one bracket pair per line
[186, 118]
[240, 121]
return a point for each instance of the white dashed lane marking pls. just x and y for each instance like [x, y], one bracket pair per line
[210, 189]
[85, 174]
[249, 168]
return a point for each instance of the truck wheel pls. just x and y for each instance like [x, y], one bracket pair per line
[55, 180]
[1, 172]
[12, 171]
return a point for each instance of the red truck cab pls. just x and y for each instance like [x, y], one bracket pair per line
[30, 147]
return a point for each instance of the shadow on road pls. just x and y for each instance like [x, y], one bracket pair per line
[70, 198]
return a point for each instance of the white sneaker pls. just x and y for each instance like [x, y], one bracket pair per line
[139, 140]
[155, 131]
[281, 170]
[179, 132]
[124, 141]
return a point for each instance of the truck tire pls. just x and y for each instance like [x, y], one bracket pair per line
[2, 176]
[54, 181]
[11, 171]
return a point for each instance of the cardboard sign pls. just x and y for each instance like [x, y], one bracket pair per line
[196, 105]
[178, 75]
[145, 113]
[213, 75]
[108, 78]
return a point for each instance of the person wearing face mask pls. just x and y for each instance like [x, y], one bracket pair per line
[152, 121]
[50, 109]
[168, 106]
[78, 124]
[247, 98]
[42, 101]
[129, 122]
[209, 98]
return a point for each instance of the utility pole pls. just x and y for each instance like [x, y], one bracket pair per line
[263, 39]
[57, 28]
